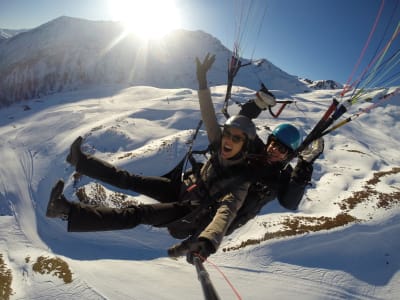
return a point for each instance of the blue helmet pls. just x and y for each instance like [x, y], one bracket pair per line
[288, 135]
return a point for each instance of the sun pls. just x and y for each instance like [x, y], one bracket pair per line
[147, 18]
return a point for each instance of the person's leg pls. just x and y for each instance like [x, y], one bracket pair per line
[159, 188]
[85, 218]
[162, 189]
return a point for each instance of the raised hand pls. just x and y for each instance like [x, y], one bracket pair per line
[202, 69]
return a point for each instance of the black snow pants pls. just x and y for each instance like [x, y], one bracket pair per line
[84, 218]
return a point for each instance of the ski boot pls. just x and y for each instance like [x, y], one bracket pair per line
[58, 206]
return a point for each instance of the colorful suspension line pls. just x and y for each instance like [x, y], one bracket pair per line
[347, 85]
[322, 124]
[392, 17]
[336, 110]
[381, 55]
[378, 58]
[385, 68]
[327, 123]
[333, 113]
[393, 78]
[362, 111]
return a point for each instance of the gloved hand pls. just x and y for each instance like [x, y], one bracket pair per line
[201, 247]
[250, 109]
[178, 249]
[264, 99]
[75, 153]
[313, 151]
[202, 69]
[302, 172]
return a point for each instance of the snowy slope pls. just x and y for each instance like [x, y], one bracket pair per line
[145, 130]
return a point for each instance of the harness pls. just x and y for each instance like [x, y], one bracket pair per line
[204, 201]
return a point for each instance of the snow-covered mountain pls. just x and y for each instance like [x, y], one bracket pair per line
[69, 53]
[321, 84]
[8, 33]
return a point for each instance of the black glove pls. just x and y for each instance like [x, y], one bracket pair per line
[202, 69]
[178, 249]
[75, 153]
[302, 172]
[200, 247]
[250, 109]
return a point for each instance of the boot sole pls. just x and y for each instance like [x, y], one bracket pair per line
[75, 145]
[56, 192]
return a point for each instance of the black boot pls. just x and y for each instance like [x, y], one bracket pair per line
[75, 153]
[58, 206]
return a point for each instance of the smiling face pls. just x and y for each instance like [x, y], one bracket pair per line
[275, 151]
[233, 140]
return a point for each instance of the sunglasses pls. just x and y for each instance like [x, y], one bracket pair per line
[278, 146]
[233, 137]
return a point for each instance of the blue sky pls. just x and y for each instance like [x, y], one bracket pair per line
[317, 39]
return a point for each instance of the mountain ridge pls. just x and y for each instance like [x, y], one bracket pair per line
[69, 53]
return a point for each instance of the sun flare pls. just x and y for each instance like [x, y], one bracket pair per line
[146, 18]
